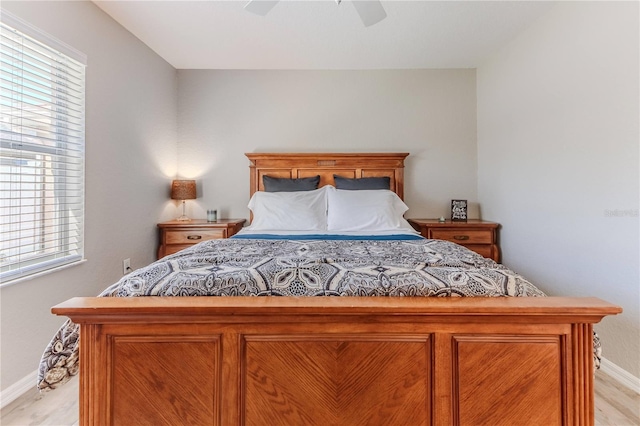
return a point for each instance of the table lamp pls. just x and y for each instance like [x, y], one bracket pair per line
[183, 190]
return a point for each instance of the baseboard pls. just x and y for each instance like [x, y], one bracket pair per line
[620, 375]
[17, 389]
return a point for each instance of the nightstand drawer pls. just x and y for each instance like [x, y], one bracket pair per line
[177, 235]
[464, 236]
[192, 236]
[477, 235]
[175, 248]
[484, 250]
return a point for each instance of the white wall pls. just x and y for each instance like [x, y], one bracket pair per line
[558, 138]
[429, 113]
[131, 129]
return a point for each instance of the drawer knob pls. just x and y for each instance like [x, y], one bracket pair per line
[194, 237]
[460, 237]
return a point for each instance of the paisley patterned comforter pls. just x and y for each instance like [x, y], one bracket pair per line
[256, 267]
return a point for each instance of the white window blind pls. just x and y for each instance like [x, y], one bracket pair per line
[42, 102]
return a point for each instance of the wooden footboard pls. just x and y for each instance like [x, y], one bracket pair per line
[336, 361]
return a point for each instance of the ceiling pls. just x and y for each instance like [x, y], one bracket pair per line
[321, 34]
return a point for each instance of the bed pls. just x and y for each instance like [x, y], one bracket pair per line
[326, 360]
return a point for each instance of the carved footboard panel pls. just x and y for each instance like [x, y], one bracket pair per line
[336, 361]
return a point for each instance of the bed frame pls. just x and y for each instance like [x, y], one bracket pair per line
[335, 361]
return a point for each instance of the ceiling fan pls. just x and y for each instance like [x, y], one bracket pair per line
[370, 11]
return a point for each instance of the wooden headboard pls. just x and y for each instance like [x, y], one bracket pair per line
[351, 165]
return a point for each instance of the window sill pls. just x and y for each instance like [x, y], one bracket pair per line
[39, 274]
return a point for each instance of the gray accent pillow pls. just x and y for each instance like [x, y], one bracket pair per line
[272, 184]
[382, 182]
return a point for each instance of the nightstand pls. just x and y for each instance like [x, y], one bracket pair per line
[177, 235]
[477, 235]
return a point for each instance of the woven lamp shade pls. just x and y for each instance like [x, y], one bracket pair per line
[183, 190]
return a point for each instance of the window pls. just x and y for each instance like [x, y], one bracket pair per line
[42, 92]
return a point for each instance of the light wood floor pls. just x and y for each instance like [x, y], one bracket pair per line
[615, 406]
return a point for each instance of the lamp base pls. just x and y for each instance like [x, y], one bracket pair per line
[184, 217]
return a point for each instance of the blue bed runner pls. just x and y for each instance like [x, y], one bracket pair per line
[393, 237]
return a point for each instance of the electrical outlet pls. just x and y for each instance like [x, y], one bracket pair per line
[126, 266]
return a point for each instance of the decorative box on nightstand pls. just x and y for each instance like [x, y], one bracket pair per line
[477, 235]
[177, 235]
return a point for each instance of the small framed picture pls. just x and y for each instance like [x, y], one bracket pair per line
[458, 210]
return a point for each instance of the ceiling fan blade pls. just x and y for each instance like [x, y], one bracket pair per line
[260, 7]
[370, 11]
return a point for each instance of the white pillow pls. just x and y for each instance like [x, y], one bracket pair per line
[289, 211]
[366, 210]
